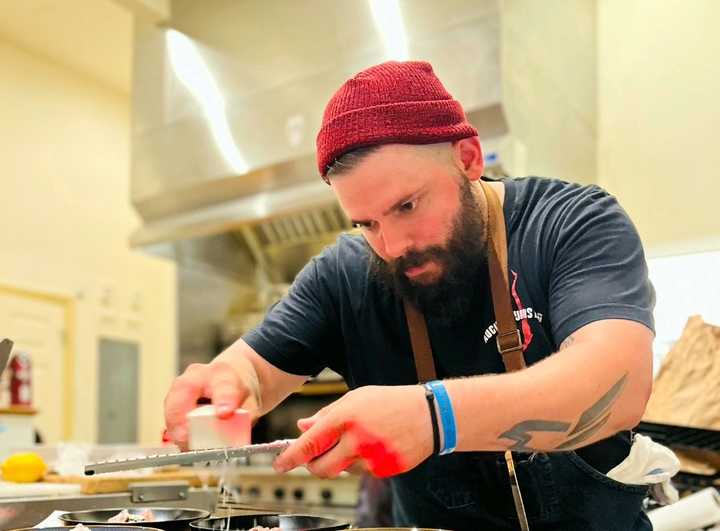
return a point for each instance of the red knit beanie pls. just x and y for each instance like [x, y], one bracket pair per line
[391, 103]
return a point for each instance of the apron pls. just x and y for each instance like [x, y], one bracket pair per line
[473, 491]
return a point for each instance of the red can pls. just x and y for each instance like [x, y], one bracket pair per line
[20, 380]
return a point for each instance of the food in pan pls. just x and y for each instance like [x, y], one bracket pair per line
[124, 517]
[261, 528]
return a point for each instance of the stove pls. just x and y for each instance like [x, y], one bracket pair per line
[261, 489]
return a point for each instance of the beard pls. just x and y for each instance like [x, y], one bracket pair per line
[451, 297]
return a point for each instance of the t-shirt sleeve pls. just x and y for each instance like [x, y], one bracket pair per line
[598, 266]
[300, 333]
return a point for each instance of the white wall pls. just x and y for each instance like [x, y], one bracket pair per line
[65, 217]
[685, 285]
[658, 118]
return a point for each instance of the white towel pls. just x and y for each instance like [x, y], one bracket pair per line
[649, 463]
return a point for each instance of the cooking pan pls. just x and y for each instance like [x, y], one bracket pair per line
[166, 518]
[286, 522]
[89, 528]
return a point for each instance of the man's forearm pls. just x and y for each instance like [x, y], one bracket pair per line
[573, 398]
[268, 385]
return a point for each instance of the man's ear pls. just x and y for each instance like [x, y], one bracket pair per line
[468, 157]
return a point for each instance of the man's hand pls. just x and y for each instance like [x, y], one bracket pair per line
[218, 381]
[386, 428]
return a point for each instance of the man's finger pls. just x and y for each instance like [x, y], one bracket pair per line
[181, 399]
[225, 389]
[317, 440]
[330, 464]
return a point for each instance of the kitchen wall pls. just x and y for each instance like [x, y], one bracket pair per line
[65, 217]
[658, 116]
[548, 64]
[622, 93]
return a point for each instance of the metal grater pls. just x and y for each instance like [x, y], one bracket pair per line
[186, 458]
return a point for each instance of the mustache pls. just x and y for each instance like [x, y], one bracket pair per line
[416, 258]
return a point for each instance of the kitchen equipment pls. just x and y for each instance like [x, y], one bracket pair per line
[21, 380]
[397, 529]
[186, 458]
[286, 522]
[166, 518]
[28, 511]
[5, 348]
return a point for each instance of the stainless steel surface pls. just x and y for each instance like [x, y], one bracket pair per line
[295, 491]
[5, 349]
[155, 492]
[28, 511]
[517, 495]
[186, 458]
[222, 110]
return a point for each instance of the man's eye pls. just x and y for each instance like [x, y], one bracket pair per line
[363, 226]
[408, 206]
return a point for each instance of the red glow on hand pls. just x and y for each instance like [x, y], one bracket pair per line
[382, 461]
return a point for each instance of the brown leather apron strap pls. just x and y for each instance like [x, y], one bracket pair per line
[420, 341]
[509, 343]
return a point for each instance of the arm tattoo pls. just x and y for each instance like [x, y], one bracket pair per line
[590, 423]
[520, 433]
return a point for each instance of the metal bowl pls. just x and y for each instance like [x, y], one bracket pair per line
[166, 518]
[286, 522]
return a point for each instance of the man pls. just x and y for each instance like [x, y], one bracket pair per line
[406, 168]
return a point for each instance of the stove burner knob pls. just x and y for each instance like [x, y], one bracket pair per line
[326, 495]
[254, 492]
[298, 494]
[279, 493]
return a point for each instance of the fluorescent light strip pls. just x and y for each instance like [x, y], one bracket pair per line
[389, 22]
[191, 70]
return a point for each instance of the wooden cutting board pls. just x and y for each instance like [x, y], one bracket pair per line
[120, 482]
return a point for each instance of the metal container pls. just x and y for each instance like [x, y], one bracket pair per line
[166, 518]
[286, 522]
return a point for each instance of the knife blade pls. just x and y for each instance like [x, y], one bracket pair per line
[517, 496]
[186, 458]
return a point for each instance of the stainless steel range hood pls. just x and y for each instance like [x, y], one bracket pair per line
[228, 97]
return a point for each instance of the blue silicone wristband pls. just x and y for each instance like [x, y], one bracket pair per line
[447, 416]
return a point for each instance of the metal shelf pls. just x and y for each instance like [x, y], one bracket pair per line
[681, 436]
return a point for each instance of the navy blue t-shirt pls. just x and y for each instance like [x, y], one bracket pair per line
[574, 257]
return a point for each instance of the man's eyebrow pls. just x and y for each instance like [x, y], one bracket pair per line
[393, 208]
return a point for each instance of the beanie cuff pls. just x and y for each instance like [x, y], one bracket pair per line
[412, 122]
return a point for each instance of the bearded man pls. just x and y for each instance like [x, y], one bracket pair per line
[417, 284]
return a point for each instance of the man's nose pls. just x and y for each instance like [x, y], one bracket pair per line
[395, 242]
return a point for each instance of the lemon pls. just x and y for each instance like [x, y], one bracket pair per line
[23, 468]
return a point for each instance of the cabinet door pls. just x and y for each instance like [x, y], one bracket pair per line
[37, 327]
